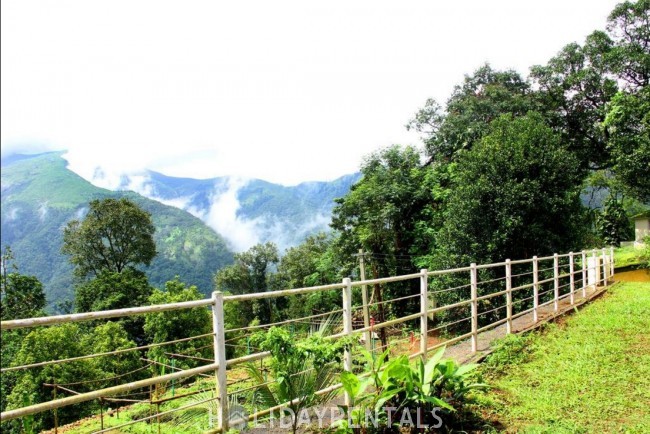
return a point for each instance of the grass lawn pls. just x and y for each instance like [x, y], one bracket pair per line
[590, 373]
[625, 256]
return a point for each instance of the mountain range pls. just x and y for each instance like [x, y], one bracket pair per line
[247, 212]
[199, 223]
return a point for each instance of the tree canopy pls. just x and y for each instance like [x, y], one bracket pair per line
[114, 235]
[516, 195]
[20, 296]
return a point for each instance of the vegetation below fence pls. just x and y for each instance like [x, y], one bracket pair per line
[588, 373]
[630, 256]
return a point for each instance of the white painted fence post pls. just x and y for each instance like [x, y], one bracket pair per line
[424, 304]
[572, 282]
[474, 304]
[556, 282]
[602, 255]
[584, 274]
[508, 297]
[596, 272]
[535, 287]
[364, 300]
[219, 341]
[347, 327]
[611, 261]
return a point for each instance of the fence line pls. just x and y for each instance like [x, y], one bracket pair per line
[593, 270]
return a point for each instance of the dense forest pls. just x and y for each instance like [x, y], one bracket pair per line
[504, 169]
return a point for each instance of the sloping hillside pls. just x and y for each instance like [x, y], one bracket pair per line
[40, 195]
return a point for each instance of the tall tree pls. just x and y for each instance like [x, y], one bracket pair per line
[586, 91]
[628, 123]
[251, 272]
[516, 195]
[574, 88]
[380, 215]
[473, 105]
[614, 225]
[629, 28]
[380, 212]
[114, 235]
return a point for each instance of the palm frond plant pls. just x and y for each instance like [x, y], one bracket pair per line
[298, 370]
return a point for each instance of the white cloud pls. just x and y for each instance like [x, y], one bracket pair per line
[285, 91]
[222, 217]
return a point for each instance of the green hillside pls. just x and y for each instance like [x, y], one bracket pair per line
[40, 195]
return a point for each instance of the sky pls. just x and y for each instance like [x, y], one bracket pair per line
[285, 91]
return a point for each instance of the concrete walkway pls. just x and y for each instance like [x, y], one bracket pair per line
[462, 351]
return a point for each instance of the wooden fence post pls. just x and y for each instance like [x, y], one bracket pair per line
[572, 282]
[474, 304]
[101, 415]
[584, 274]
[508, 297]
[611, 261]
[219, 340]
[56, 413]
[535, 288]
[556, 281]
[424, 304]
[347, 327]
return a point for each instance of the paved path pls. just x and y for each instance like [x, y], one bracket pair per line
[462, 351]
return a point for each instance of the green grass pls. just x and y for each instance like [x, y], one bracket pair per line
[626, 256]
[590, 373]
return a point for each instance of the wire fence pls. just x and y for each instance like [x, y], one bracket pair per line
[443, 307]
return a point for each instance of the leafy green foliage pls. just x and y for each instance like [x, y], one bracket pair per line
[381, 215]
[574, 91]
[314, 262]
[113, 290]
[628, 124]
[300, 368]
[250, 273]
[517, 194]
[114, 235]
[20, 296]
[614, 225]
[473, 105]
[403, 387]
[629, 27]
[169, 326]
[62, 342]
